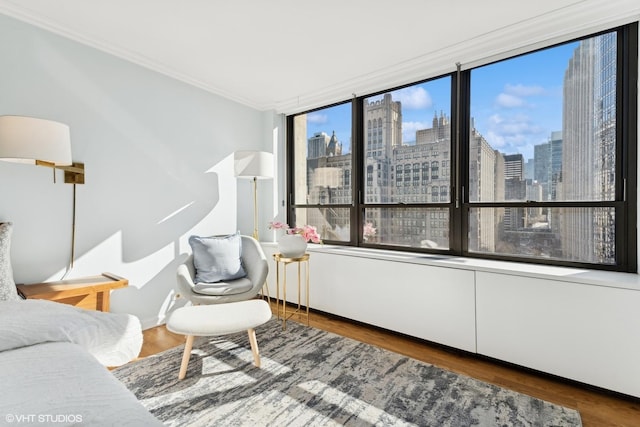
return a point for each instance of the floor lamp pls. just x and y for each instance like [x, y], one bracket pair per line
[253, 165]
[43, 143]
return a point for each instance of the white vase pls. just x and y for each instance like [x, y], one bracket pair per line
[292, 245]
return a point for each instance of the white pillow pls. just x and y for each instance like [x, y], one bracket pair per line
[7, 285]
[217, 258]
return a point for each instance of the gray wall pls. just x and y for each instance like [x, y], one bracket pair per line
[159, 167]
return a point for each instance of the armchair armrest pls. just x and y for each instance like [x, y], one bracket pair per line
[184, 275]
[254, 261]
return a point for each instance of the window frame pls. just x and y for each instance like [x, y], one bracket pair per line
[459, 204]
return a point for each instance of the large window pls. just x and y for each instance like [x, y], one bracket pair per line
[542, 154]
[322, 170]
[407, 135]
[532, 158]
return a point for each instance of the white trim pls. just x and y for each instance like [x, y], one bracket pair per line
[21, 14]
[525, 36]
[578, 19]
[610, 279]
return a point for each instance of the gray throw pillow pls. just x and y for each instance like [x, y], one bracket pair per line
[217, 258]
[7, 285]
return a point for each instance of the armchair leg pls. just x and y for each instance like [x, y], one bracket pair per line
[185, 357]
[254, 347]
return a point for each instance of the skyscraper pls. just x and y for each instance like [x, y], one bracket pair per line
[514, 189]
[589, 135]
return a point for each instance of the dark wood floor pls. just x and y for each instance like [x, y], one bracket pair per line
[597, 408]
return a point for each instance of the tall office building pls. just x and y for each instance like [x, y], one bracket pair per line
[534, 217]
[547, 160]
[514, 190]
[396, 173]
[422, 174]
[317, 145]
[529, 169]
[321, 145]
[542, 168]
[383, 122]
[589, 135]
[382, 133]
[513, 168]
[486, 165]
[555, 144]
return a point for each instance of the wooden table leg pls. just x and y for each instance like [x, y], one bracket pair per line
[103, 300]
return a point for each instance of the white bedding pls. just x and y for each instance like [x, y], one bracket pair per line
[57, 383]
[51, 366]
[114, 339]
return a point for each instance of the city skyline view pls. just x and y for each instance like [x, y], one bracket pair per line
[513, 114]
[543, 129]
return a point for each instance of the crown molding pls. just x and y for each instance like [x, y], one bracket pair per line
[574, 21]
[22, 14]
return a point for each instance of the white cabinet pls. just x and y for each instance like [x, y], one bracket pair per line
[577, 324]
[432, 303]
[587, 333]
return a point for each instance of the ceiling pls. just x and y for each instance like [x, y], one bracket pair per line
[292, 55]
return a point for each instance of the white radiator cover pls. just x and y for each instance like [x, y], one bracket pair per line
[577, 324]
[583, 332]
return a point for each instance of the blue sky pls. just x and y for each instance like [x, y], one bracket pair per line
[516, 103]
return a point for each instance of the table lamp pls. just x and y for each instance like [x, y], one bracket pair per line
[43, 143]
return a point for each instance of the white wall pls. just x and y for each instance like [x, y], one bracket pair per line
[159, 167]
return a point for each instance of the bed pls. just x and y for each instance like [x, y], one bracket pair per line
[53, 360]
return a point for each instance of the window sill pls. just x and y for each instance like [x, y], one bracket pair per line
[576, 275]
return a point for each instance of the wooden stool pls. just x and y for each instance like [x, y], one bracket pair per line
[219, 319]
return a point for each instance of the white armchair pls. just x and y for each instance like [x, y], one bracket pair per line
[255, 264]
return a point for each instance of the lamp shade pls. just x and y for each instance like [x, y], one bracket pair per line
[27, 139]
[253, 164]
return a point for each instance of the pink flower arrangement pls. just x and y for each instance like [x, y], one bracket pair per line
[368, 231]
[308, 232]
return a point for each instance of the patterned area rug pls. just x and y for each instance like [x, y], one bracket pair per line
[311, 377]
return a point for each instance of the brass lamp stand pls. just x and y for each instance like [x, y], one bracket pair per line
[42, 143]
[253, 165]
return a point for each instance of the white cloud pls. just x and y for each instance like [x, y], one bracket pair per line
[506, 100]
[317, 118]
[513, 134]
[496, 140]
[495, 119]
[413, 98]
[514, 96]
[522, 90]
[409, 130]
[518, 127]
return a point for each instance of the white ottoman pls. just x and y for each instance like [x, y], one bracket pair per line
[219, 319]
